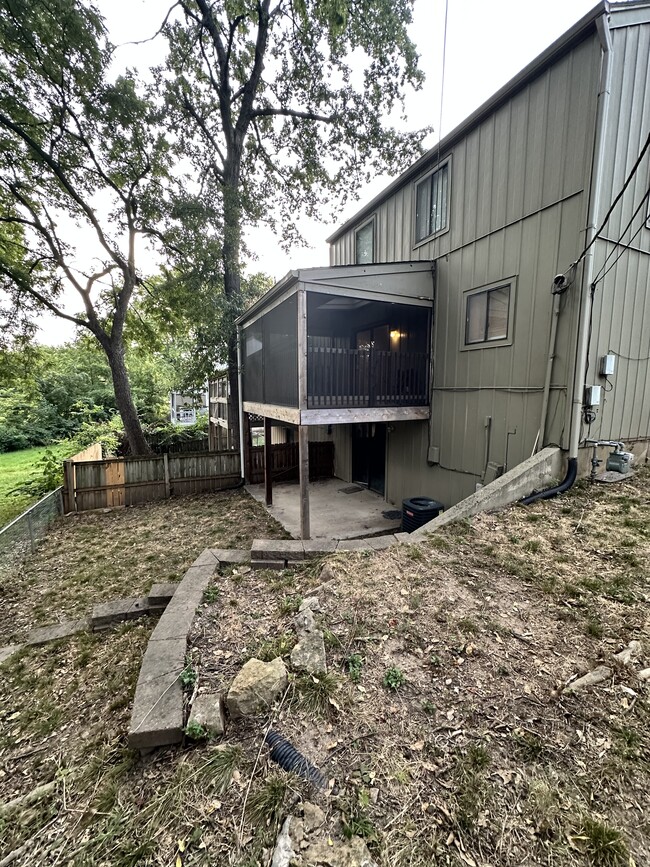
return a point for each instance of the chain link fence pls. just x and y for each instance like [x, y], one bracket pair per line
[20, 537]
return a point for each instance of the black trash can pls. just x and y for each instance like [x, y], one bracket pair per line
[418, 511]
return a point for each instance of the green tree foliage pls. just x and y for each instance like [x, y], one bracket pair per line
[50, 393]
[275, 119]
[184, 318]
[84, 169]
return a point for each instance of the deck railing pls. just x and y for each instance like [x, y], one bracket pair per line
[366, 378]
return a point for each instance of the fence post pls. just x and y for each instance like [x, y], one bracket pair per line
[168, 486]
[70, 504]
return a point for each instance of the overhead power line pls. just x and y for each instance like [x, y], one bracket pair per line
[636, 165]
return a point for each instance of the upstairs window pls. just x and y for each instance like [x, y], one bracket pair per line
[432, 204]
[365, 244]
[487, 315]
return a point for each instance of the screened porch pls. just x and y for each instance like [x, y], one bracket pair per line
[322, 349]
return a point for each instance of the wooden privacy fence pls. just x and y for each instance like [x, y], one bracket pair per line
[284, 462]
[128, 481]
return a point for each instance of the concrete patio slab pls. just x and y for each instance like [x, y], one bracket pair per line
[333, 514]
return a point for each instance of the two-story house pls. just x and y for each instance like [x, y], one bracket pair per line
[468, 310]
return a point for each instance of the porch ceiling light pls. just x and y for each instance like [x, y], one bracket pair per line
[395, 335]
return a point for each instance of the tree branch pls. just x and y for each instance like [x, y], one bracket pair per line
[290, 112]
[251, 86]
[158, 32]
[30, 290]
[57, 171]
[201, 123]
[224, 90]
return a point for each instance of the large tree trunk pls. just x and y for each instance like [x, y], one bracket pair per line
[124, 399]
[232, 286]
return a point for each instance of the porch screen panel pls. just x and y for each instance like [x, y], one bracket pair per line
[252, 366]
[280, 354]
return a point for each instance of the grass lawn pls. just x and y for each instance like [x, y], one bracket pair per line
[16, 468]
[444, 721]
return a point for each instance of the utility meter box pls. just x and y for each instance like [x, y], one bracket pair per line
[619, 462]
[593, 395]
[607, 365]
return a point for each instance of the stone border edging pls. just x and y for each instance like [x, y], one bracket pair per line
[279, 553]
[157, 714]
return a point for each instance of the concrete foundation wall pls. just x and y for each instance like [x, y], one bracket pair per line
[541, 471]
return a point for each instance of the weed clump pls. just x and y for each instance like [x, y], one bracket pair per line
[354, 665]
[315, 693]
[394, 678]
[603, 845]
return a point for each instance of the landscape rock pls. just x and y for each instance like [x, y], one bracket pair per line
[283, 854]
[327, 574]
[313, 817]
[326, 853]
[256, 687]
[598, 675]
[294, 848]
[310, 602]
[207, 711]
[629, 653]
[309, 653]
[644, 674]
[304, 621]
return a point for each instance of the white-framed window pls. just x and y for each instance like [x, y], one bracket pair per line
[488, 315]
[364, 243]
[432, 204]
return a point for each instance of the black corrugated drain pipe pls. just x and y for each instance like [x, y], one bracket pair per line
[287, 756]
[549, 493]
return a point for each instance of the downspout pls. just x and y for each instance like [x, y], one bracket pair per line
[240, 407]
[555, 315]
[584, 317]
[594, 210]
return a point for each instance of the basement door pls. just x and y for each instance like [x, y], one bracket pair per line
[369, 456]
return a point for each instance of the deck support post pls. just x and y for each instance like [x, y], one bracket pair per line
[303, 458]
[303, 430]
[268, 462]
[246, 446]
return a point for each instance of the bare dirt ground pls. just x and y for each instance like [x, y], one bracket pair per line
[443, 724]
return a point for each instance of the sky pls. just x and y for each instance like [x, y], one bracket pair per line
[487, 43]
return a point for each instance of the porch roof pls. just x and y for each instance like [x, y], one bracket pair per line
[399, 282]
